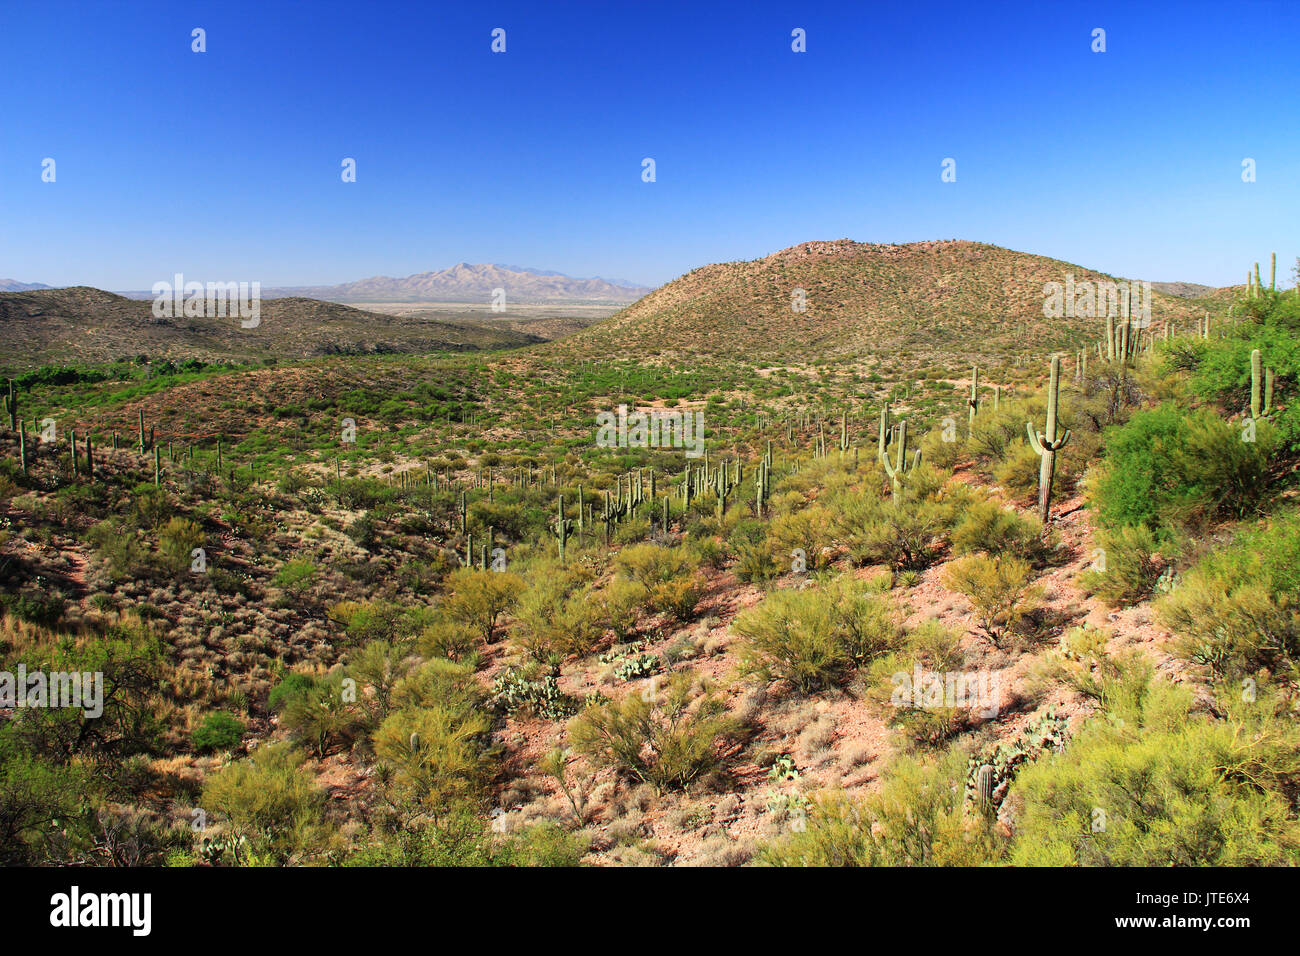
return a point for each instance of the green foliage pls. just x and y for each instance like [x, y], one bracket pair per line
[1236, 609]
[998, 588]
[986, 526]
[1127, 567]
[437, 754]
[320, 715]
[479, 598]
[1170, 469]
[817, 636]
[219, 731]
[296, 575]
[176, 542]
[667, 738]
[557, 619]
[272, 804]
[460, 838]
[916, 819]
[1151, 783]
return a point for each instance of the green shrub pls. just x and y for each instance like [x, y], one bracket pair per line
[219, 731]
[998, 588]
[296, 575]
[1170, 470]
[916, 819]
[817, 636]
[272, 804]
[556, 620]
[176, 543]
[667, 739]
[479, 598]
[1151, 783]
[1236, 609]
[1127, 569]
[986, 526]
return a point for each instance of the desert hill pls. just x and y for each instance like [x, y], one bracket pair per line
[966, 298]
[85, 325]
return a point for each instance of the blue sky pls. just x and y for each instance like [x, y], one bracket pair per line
[225, 165]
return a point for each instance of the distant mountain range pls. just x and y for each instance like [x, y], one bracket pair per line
[13, 285]
[461, 283]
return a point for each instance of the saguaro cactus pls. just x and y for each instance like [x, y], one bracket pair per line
[11, 406]
[563, 526]
[985, 778]
[882, 442]
[974, 401]
[1256, 409]
[898, 468]
[1046, 444]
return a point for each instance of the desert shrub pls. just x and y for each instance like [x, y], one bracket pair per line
[291, 685]
[439, 683]
[668, 739]
[754, 564]
[810, 530]
[1017, 471]
[150, 507]
[454, 640]
[1170, 469]
[998, 588]
[651, 564]
[678, 596]
[219, 731]
[1151, 783]
[556, 620]
[1126, 569]
[906, 536]
[39, 802]
[986, 526]
[176, 542]
[119, 549]
[940, 453]
[273, 805]
[1236, 609]
[916, 819]
[320, 715]
[623, 597]
[479, 598]
[931, 649]
[377, 669]
[295, 575]
[460, 838]
[436, 754]
[817, 636]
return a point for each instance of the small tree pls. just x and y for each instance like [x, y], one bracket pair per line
[480, 597]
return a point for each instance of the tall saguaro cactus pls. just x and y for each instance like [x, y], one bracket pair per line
[974, 401]
[1257, 409]
[1046, 444]
[563, 527]
[897, 469]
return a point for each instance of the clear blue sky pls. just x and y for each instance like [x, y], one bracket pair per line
[225, 165]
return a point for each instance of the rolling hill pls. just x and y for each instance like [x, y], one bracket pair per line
[965, 298]
[85, 325]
